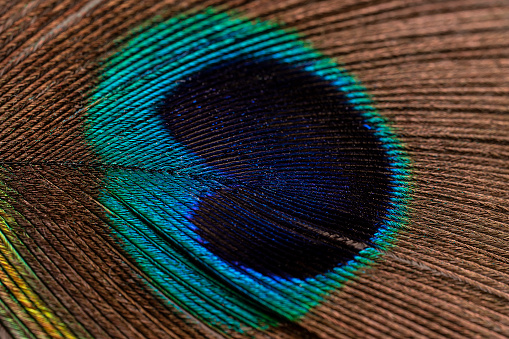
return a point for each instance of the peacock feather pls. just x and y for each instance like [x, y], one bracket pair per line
[254, 169]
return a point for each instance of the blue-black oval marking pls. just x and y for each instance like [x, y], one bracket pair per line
[307, 179]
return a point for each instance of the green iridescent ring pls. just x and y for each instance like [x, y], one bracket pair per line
[153, 201]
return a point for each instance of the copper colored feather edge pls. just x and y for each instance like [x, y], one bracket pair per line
[438, 69]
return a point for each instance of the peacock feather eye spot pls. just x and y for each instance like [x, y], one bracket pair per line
[262, 177]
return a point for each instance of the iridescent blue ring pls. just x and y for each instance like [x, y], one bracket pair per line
[150, 185]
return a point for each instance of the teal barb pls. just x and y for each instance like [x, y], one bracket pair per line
[156, 182]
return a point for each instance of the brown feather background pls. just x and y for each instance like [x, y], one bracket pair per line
[438, 70]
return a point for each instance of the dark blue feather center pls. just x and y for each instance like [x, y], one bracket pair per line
[306, 180]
